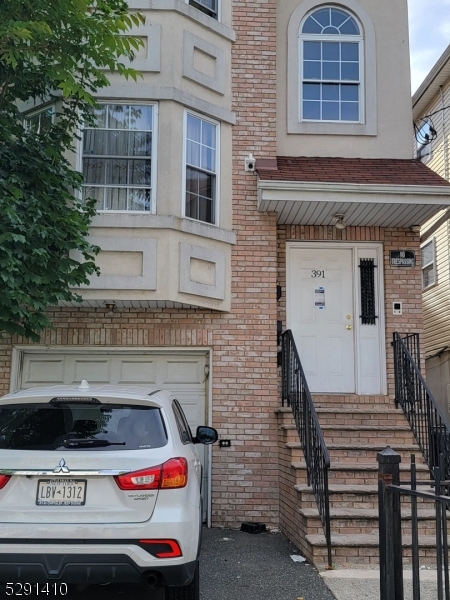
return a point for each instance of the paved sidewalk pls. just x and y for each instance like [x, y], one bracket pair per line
[360, 584]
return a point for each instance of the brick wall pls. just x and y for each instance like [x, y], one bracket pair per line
[245, 476]
[403, 284]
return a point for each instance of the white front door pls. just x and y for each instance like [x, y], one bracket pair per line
[320, 305]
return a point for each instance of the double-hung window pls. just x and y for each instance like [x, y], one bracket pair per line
[428, 264]
[40, 121]
[201, 160]
[331, 67]
[209, 7]
[119, 158]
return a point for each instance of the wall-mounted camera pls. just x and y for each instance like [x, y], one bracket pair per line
[250, 163]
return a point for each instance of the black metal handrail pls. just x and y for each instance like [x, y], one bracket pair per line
[427, 421]
[390, 490]
[296, 395]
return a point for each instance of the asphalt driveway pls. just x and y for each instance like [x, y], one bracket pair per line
[236, 566]
[243, 566]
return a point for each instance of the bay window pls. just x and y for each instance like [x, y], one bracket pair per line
[119, 158]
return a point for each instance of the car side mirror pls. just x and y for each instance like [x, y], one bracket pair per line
[205, 435]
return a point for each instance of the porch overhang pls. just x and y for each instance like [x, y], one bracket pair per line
[370, 205]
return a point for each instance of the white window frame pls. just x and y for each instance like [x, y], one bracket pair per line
[205, 13]
[217, 172]
[309, 37]
[369, 109]
[431, 263]
[154, 155]
[37, 112]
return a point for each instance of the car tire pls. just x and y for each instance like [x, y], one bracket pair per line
[185, 592]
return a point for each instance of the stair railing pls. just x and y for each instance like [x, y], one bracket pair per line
[296, 395]
[428, 423]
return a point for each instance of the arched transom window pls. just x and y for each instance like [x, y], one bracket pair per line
[331, 67]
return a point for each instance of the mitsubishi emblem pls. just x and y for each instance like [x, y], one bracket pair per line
[61, 468]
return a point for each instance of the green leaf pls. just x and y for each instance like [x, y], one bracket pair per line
[47, 46]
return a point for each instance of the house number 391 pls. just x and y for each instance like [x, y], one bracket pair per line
[317, 274]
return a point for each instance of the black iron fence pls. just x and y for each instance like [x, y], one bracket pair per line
[390, 492]
[296, 395]
[426, 419]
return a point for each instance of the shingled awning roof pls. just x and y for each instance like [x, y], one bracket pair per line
[379, 192]
[380, 171]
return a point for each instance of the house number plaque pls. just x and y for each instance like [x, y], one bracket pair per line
[402, 258]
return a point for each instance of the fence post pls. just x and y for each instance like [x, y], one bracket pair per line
[391, 564]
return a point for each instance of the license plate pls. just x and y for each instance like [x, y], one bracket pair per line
[61, 492]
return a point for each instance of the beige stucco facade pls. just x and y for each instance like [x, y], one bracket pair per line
[386, 123]
[161, 257]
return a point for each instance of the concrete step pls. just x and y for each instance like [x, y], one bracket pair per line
[348, 521]
[374, 416]
[367, 434]
[355, 430]
[363, 550]
[362, 452]
[368, 429]
[351, 473]
[364, 496]
[349, 401]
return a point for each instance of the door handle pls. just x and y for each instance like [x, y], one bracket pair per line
[348, 327]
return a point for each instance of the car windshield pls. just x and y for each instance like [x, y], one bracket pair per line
[75, 426]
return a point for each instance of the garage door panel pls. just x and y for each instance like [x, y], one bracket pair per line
[136, 370]
[183, 371]
[182, 375]
[185, 377]
[95, 370]
[193, 412]
[36, 371]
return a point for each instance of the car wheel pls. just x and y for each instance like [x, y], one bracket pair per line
[185, 592]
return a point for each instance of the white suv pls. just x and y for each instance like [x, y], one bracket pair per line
[99, 484]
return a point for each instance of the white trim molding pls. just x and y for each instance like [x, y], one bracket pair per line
[126, 93]
[185, 9]
[192, 44]
[215, 258]
[309, 203]
[357, 188]
[145, 246]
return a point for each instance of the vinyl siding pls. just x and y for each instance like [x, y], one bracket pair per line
[436, 303]
[436, 300]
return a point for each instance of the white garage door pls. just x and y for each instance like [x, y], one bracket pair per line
[181, 373]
